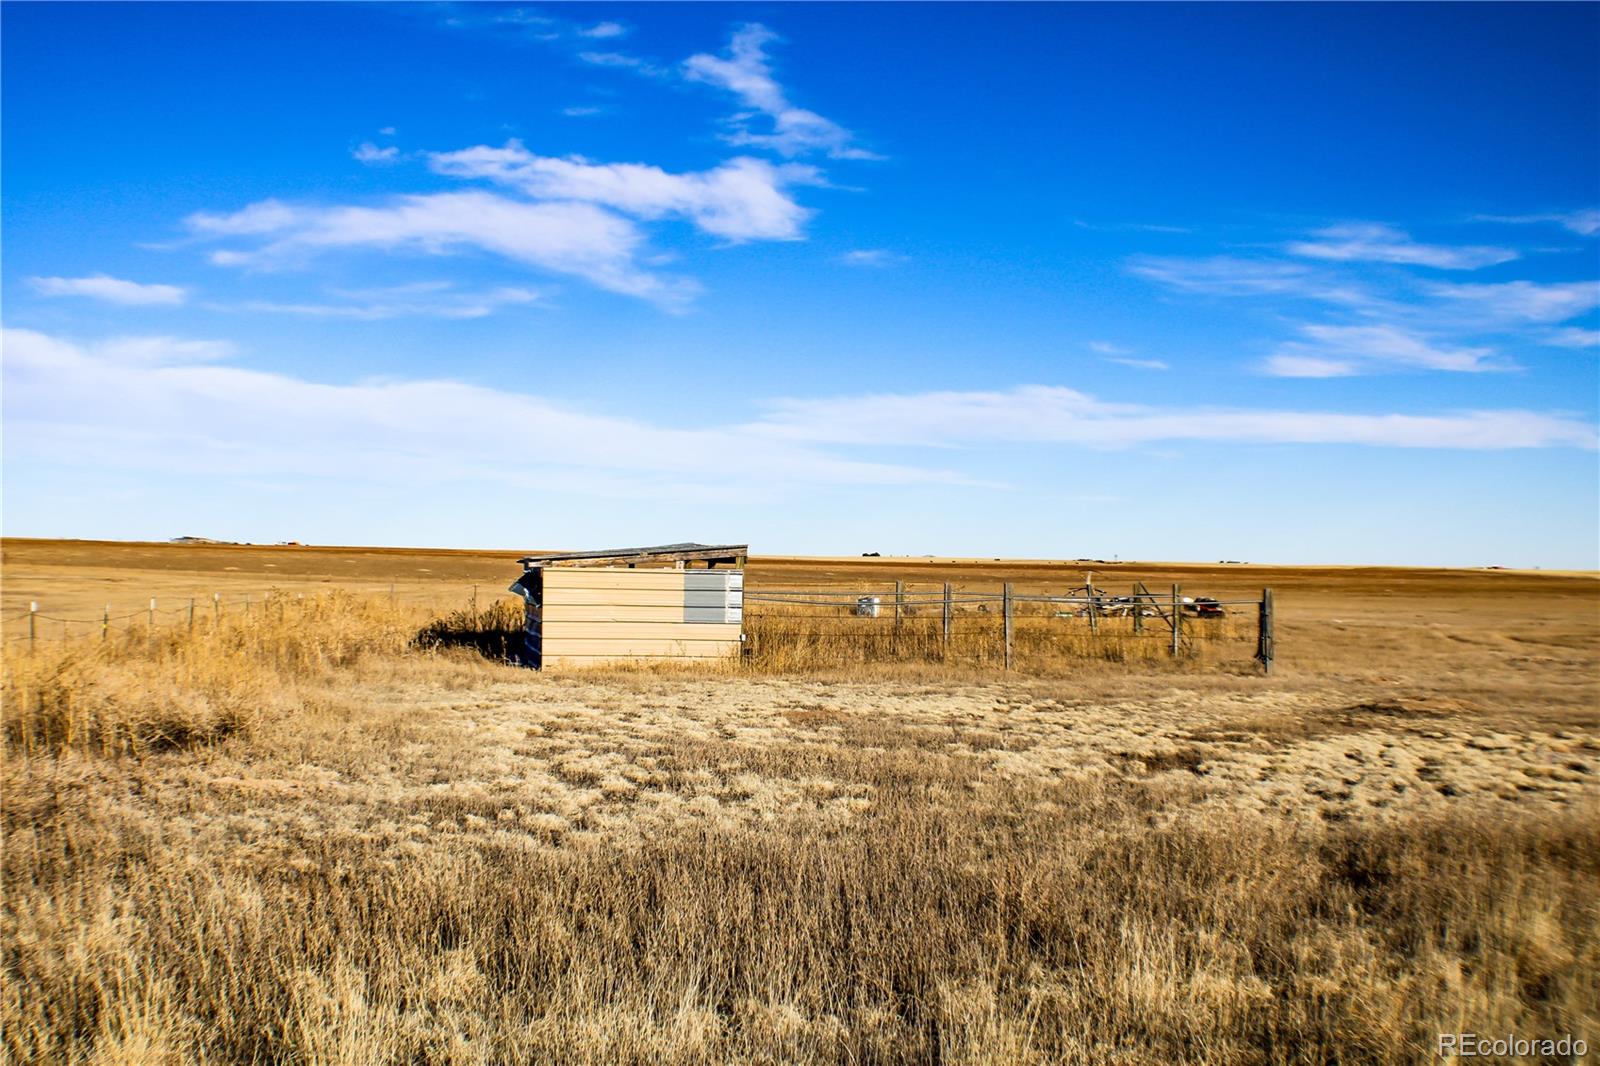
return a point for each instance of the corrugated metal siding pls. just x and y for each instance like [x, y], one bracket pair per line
[709, 596]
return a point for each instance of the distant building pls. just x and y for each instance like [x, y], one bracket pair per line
[669, 603]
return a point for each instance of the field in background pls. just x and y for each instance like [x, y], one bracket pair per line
[1533, 632]
[329, 831]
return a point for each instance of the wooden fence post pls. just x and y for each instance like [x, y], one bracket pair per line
[944, 625]
[191, 614]
[899, 603]
[1005, 609]
[1088, 591]
[105, 624]
[1138, 610]
[1177, 617]
[150, 624]
[1264, 648]
[33, 614]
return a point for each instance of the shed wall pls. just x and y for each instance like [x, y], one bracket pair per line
[594, 615]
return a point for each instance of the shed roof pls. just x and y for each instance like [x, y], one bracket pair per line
[660, 553]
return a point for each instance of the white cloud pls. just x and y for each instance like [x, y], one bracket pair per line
[372, 155]
[1039, 414]
[1375, 243]
[425, 300]
[578, 239]
[623, 61]
[1341, 351]
[1129, 227]
[746, 73]
[94, 404]
[1574, 338]
[603, 30]
[1526, 301]
[743, 199]
[1224, 275]
[1116, 353]
[1585, 222]
[111, 290]
[161, 406]
[869, 257]
[582, 111]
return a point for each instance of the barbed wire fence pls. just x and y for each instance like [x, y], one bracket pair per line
[944, 618]
[882, 614]
[34, 624]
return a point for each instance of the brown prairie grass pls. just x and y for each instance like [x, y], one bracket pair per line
[137, 691]
[324, 836]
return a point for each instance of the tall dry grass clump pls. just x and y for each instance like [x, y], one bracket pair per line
[142, 690]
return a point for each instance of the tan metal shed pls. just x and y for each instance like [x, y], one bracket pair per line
[669, 603]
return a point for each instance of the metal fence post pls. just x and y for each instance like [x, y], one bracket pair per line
[899, 603]
[1138, 610]
[191, 614]
[944, 626]
[1005, 610]
[216, 609]
[150, 624]
[105, 624]
[1264, 648]
[33, 613]
[1177, 617]
[1088, 590]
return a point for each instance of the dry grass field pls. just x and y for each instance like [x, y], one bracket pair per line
[303, 834]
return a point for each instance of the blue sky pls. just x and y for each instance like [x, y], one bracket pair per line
[1290, 283]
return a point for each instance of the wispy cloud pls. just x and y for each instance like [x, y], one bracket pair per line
[1039, 414]
[870, 257]
[1225, 275]
[421, 300]
[1129, 227]
[111, 290]
[583, 111]
[623, 61]
[1123, 356]
[562, 237]
[373, 156]
[164, 405]
[1585, 222]
[604, 30]
[746, 72]
[1574, 338]
[95, 403]
[1376, 243]
[1525, 301]
[1343, 351]
[743, 199]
